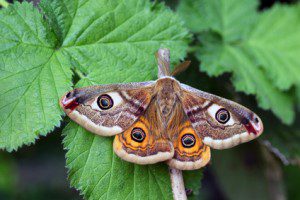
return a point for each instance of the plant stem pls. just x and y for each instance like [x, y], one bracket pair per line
[177, 184]
[79, 73]
[163, 61]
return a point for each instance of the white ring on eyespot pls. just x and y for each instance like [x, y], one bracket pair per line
[213, 109]
[117, 99]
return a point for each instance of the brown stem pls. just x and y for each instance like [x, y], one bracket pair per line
[163, 61]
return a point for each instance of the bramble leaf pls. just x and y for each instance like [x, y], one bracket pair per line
[100, 174]
[226, 17]
[102, 41]
[33, 76]
[114, 42]
[261, 50]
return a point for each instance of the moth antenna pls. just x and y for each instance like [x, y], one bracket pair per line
[181, 67]
[163, 61]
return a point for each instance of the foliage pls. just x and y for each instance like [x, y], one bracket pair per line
[82, 36]
[46, 51]
[261, 50]
[33, 76]
[112, 177]
[30, 88]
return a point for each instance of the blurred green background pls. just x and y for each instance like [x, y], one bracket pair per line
[253, 170]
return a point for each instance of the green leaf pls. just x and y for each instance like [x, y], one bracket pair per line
[277, 47]
[192, 21]
[100, 174]
[112, 42]
[103, 42]
[261, 50]
[121, 37]
[59, 15]
[109, 43]
[3, 3]
[33, 76]
[248, 78]
[226, 17]
[192, 180]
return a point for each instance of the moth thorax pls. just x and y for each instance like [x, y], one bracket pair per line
[166, 103]
[166, 95]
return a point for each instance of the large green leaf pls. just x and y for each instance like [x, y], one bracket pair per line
[33, 76]
[114, 42]
[249, 78]
[226, 17]
[100, 174]
[121, 37]
[103, 41]
[110, 41]
[274, 42]
[261, 50]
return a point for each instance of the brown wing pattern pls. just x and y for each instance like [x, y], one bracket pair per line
[219, 122]
[108, 109]
[145, 142]
[190, 152]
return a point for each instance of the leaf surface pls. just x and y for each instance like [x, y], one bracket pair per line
[108, 43]
[33, 76]
[100, 174]
[260, 49]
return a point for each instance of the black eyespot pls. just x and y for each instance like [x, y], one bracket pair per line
[68, 95]
[138, 135]
[105, 102]
[245, 121]
[188, 140]
[256, 120]
[222, 116]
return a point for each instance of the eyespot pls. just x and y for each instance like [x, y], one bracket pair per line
[105, 102]
[222, 116]
[138, 135]
[68, 95]
[188, 140]
[245, 121]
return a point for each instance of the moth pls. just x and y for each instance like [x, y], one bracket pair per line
[162, 120]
